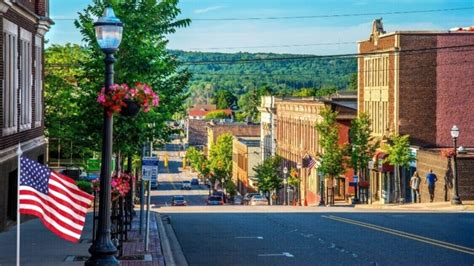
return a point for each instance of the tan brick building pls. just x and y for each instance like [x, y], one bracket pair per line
[245, 156]
[417, 83]
[296, 136]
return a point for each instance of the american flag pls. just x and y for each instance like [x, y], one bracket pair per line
[308, 161]
[54, 198]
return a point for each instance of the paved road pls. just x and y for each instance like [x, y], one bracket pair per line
[285, 235]
[325, 238]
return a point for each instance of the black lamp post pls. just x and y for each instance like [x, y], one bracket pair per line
[108, 30]
[285, 185]
[455, 200]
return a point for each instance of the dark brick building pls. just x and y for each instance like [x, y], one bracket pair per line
[24, 24]
[417, 83]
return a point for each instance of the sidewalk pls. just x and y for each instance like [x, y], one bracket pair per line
[435, 206]
[39, 246]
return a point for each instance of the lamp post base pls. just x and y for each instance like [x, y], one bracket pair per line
[103, 255]
[456, 200]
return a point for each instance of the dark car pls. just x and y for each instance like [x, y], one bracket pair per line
[195, 182]
[220, 194]
[215, 200]
[178, 201]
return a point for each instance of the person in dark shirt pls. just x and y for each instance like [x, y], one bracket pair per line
[431, 180]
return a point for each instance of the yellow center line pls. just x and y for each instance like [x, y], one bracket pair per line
[404, 234]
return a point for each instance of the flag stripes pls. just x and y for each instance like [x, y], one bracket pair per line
[54, 198]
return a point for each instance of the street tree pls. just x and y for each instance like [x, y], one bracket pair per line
[362, 145]
[269, 178]
[142, 57]
[400, 156]
[217, 114]
[220, 159]
[224, 99]
[332, 158]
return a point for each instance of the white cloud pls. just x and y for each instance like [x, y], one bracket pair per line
[207, 9]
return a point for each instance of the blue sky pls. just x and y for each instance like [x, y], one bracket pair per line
[296, 35]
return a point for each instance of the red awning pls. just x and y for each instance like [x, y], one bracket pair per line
[382, 166]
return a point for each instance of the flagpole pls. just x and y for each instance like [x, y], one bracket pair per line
[18, 153]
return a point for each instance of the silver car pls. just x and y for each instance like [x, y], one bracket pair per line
[258, 200]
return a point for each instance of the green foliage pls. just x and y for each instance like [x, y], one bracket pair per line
[142, 57]
[332, 158]
[399, 153]
[85, 186]
[268, 174]
[352, 86]
[283, 76]
[224, 99]
[62, 94]
[220, 158]
[316, 92]
[198, 161]
[249, 103]
[362, 147]
[218, 114]
[230, 188]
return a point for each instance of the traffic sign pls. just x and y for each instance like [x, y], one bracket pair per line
[356, 179]
[149, 168]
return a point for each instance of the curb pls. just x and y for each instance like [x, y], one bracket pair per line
[172, 251]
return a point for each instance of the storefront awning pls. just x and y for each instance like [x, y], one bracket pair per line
[382, 166]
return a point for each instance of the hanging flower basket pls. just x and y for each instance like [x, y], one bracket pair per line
[120, 98]
[131, 109]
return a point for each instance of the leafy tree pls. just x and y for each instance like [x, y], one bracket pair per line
[399, 155]
[294, 181]
[62, 93]
[268, 174]
[218, 114]
[332, 157]
[224, 99]
[352, 86]
[250, 101]
[142, 57]
[220, 158]
[198, 161]
[362, 146]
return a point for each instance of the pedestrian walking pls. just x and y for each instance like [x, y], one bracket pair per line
[415, 187]
[431, 180]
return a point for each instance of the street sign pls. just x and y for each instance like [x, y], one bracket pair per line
[356, 179]
[149, 168]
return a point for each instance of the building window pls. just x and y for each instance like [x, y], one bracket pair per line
[26, 79]
[38, 81]
[376, 73]
[10, 78]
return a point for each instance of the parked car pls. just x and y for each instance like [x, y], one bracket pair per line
[238, 200]
[195, 182]
[247, 197]
[178, 201]
[220, 194]
[215, 200]
[258, 200]
[186, 185]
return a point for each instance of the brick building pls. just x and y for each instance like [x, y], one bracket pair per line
[245, 156]
[417, 83]
[196, 133]
[215, 129]
[24, 24]
[267, 126]
[296, 136]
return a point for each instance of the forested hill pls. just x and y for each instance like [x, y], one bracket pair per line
[280, 75]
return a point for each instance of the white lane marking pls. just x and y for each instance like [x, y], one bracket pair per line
[249, 237]
[284, 254]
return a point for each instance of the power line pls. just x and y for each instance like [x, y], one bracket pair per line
[337, 15]
[334, 56]
[320, 16]
[269, 46]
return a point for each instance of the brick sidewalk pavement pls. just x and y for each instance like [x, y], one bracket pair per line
[40, 247]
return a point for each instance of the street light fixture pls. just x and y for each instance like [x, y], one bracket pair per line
[108, 30]
[455, 200]
[299, 166]
[285, 186]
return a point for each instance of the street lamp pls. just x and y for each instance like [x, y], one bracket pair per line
[108, 30]
[285, 187]
[455, 200]
[298, 166]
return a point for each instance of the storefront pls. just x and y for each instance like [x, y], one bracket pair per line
[382, 182]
